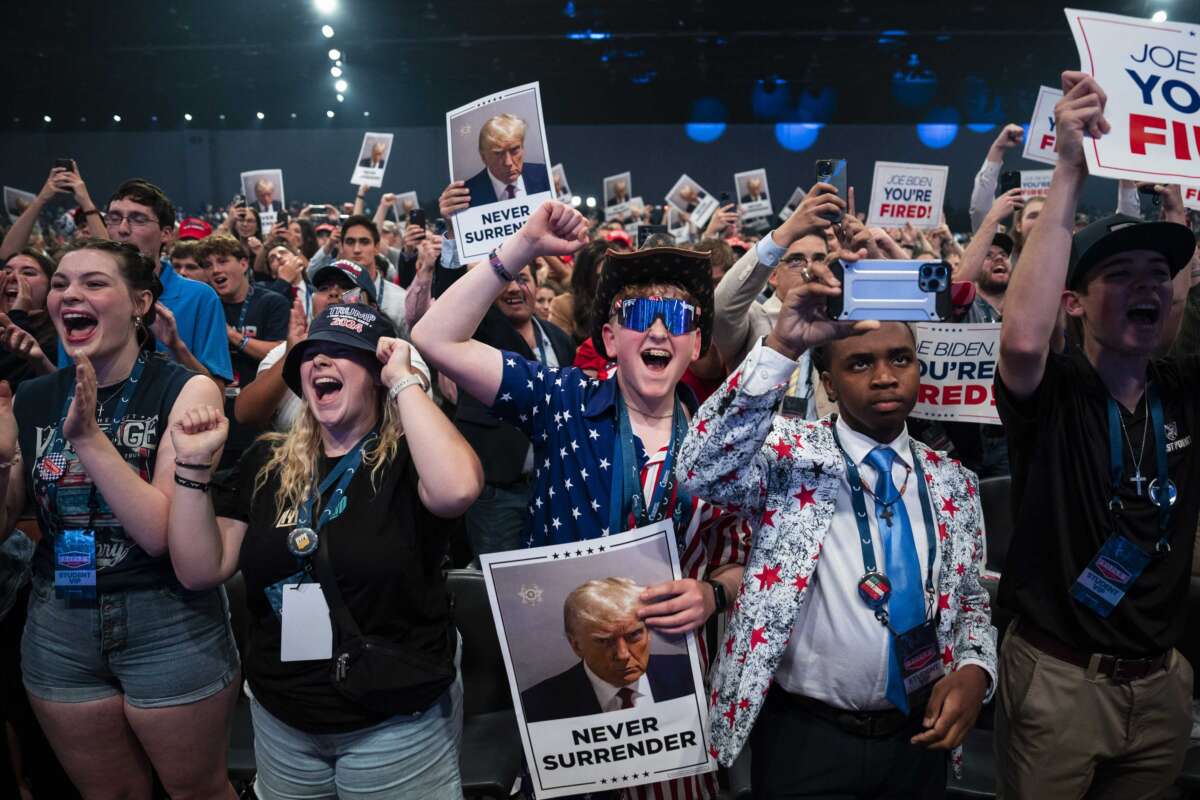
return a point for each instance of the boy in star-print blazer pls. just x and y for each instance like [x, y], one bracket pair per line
[783, 474]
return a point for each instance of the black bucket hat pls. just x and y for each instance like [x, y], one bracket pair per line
[1121, 233]
[356, 326]
[687, 269]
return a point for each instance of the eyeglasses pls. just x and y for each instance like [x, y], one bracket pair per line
[639, 314]
[801, 260]
[114, 219]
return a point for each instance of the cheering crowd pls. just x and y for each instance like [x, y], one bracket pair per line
[338, 408]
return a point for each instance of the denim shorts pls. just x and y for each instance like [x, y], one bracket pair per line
[406, 756]
[159, 647]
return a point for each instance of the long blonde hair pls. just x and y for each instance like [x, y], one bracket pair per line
[294, 454]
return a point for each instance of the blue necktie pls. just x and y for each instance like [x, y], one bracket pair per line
[906, 605]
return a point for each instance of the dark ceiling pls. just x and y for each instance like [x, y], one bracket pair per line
[615, 61]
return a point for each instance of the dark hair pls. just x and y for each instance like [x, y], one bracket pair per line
[233, 229]
[220, 245]
[185, 249]
[720, 252]
[584, 278]
[821, 353]
[364, 221]
[308, 237]
[140, 190]
[136, 269]
[42, 258]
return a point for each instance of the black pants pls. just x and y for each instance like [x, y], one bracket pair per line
[795, 754]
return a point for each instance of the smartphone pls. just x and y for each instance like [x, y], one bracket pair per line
[901, 291]
[64, 163]
[282, 217]
[644, 232]
[417, 217]
[1150, 201]
[724, 201]
[239, 201]
[833, 172]
[1008, 181]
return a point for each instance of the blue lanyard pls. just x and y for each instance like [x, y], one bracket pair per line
[241, 324]
[626, 489]
[540, 335]
[1162, 491]
[342, 474]
[859, 504]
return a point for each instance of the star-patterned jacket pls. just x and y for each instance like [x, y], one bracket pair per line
[783, 474]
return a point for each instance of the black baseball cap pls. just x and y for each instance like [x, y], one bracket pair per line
[1120, 233]
[344, 270]
[356, 326]
[1004, 242]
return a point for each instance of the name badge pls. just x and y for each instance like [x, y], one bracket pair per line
[1104, 582]
[307, 632]
[75, 564]
[919, 656]
[274, 592]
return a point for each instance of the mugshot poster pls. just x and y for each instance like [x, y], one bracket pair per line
[406, 202]
[16, 201]
[618, 191]
[263, 189]
[562, 189]
[691, 198]
[792, 204]
[754, 197]
[612, 703]
[498, 147]
[372, 159]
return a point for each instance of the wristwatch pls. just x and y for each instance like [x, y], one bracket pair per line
[719, 596]
[402, 384]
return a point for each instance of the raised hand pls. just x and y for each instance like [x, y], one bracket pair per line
[297, 324]
[396, 357]
[803, 324]
[24, 299]
[1004, 205]
[1009, 137]
[454, 199]
[722, 218]
[554, 229]
[18, 341]
[810, 216]
[81, 416]
[388, 200]
[164, 328]
[199, 434]
[1079, 113]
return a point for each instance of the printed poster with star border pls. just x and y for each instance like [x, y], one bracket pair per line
[663, 736]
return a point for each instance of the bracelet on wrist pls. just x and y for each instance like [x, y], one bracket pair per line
[187, 483]
[402, 384]
[498, 266]
[16, 459]
[179, 463]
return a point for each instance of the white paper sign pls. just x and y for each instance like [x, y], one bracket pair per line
[577, 735]
[618, 191]
[907, 193]
[1035, 182]
[1191, 196]
[792, 204]
[1039, 142]
[16, 201]
[1149, 72]
[372, 159]
[562, 189]
[307, 632]
[958, 368]
[405, 202]
[509, 128]
[690, 197]
[753, 194]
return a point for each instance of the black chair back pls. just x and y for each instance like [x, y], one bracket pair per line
[485, 681]
[995, 497]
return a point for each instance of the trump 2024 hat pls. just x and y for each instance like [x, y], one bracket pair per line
[347, 270]
[356, 326]
[194, 228]
[1121, 233]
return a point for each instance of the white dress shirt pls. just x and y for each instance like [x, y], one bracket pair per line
[606, 693]
[502, 188]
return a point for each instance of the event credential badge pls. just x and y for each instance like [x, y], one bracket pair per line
[602, 701]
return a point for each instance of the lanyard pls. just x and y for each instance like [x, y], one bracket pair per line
[241, 324]
[540, 335]
[58, 441]
[858, 501]
[1162, 490]
[627, 482]
[342, 474]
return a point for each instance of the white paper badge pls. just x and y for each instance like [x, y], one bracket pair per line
[307, 632]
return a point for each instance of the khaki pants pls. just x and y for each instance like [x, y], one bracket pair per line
[1061, 735]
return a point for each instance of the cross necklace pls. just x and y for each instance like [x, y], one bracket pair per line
[887, 512]
[1138, 479]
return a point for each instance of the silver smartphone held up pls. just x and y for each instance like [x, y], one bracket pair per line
[891, 291]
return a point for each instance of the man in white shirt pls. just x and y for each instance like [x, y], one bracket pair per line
[861, 647]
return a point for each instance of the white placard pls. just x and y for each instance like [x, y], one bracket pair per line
[792, 204]
[958, 370]
[907, 193]
[16, 201]
[405, 202]
[263, 189]
[753, 194]
[306, 633]
[1149, 72]
[562, 189]
[509, 125]
[618, 191]
[690, 197]
[1039, 142]
[1191, 196]
[372, 159]
[677, 225]
[571, 744]
[1035, 182]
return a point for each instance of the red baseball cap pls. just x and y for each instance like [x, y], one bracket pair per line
[194, 228]
[325, 227]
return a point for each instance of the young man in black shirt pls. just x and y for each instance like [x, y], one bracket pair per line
[1094, 699]
[255, 321]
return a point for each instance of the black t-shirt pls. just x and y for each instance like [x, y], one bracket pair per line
[386, 549]
[1059, 451]
[120, 563]
[266, 320]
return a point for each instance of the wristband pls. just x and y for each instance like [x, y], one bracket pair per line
[242, 345]
[719, 596]
[402, 384]
[179, 463]
[498, 267]
[190, 484]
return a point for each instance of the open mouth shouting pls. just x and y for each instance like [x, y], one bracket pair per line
[1144, 313]
[220, 282]
[326, 389]
[656, 359]
[79, 326]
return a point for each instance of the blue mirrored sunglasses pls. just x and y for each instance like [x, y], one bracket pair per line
[638, 314]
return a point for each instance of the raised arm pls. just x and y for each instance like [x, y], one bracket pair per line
[985, 180]
[12, 480]
[444, 334]
[971, 265]
[385, 203]
[204, 550]
[22, 227]
[1034, 295]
